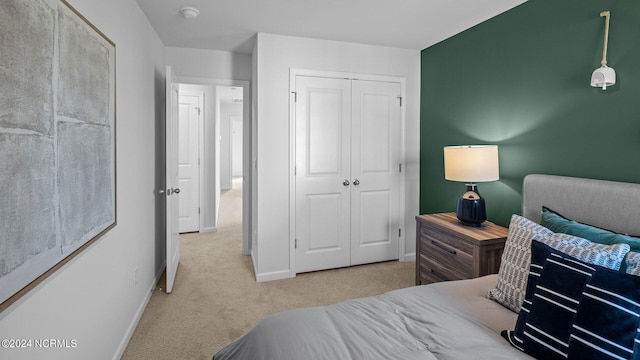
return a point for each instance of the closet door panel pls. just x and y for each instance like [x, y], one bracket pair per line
[323, 111]
[375, 129]
[375, 161]
[374, 222]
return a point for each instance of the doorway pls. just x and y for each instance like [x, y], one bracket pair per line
[225, 126]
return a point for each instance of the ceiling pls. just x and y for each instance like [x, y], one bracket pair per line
[230, 25]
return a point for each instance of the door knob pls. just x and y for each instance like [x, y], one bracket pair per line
[345, 183]
[171, 191]
[356, 182]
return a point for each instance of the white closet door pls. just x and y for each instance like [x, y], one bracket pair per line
[322, 173]
[375, 154]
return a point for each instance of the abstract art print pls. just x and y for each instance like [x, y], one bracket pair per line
[57, 140]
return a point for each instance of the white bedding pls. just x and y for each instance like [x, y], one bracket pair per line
[449, 320]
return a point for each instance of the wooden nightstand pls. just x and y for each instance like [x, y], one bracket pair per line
[448, 250]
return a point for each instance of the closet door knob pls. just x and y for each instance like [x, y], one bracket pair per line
[345, 183]
[356, 182]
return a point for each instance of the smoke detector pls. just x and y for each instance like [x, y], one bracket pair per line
[189, 12]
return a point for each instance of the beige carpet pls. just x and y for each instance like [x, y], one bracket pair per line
[216, 298]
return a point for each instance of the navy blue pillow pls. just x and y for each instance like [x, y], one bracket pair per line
[576, 310]
[539, 253]
[606, 326]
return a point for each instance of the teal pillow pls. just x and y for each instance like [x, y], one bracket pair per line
[558, 223]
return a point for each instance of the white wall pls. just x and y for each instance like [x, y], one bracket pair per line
[93, 299]
[209, 64]
[275, 55]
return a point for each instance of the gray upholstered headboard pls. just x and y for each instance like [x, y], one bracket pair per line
[607, 204]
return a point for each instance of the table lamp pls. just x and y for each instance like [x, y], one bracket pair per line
[471, 164]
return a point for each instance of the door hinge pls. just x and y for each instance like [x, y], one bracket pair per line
[399, 232]
[295, 96]
[399, 167]
[197, 108]
[295, 245]
[198, 210]
[400, 98]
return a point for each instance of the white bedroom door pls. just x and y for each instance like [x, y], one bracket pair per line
[190, 105]
[347, 172]
[172, 191]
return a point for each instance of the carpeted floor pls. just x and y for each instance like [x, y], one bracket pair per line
[216, 298]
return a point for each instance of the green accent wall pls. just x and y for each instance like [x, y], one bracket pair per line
[521, 80]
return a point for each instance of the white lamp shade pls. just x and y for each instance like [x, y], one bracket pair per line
[471, 163]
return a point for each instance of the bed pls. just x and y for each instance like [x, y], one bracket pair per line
[447, 320]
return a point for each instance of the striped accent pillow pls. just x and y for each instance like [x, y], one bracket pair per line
[576, 310]
[606, 326]
[538, 258]
[555, 302]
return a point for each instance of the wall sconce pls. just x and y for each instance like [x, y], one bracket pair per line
[604, 76]
[470, 164]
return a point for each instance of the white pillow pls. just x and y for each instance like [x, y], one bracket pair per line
[516, 257]
[633, 263]
[609, 256]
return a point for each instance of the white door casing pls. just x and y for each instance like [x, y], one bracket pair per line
[347, 172]
[190, 117]
[172, 191]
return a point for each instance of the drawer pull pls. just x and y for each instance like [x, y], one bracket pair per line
[443, 247]
[435, 274]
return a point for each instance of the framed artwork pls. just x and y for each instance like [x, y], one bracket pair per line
[57, 140]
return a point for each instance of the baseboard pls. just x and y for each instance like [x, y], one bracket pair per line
[209, 229]
[409, 257]
[268, 276]
[273, 275]
[136, 319]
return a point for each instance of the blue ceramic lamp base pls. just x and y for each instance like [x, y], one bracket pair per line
[471, 209]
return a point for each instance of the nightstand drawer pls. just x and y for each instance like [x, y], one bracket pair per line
[432, 236]
[433, 270]
[450, 254]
